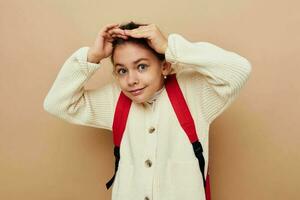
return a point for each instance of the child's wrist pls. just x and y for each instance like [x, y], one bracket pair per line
[93, 58]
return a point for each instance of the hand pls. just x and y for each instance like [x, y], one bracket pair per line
[154, 37]
[102, 47]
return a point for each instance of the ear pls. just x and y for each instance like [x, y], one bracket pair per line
[166, 67]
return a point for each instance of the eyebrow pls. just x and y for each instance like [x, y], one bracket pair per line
[134, 62]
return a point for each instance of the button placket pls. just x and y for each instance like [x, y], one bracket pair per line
[151, 135]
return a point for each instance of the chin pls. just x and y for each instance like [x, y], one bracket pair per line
[138, 99]
[142, 98]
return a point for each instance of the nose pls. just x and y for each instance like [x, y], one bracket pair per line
[132, 79]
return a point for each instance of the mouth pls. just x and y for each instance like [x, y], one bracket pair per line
[137, 91]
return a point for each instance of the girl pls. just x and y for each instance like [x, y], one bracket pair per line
[156, 160]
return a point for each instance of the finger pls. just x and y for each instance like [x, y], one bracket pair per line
[138, 34]
[112, 37]
[106, 28]
[109, 26]
[142, 28]
[137, 30]
[106, 35]
[116, 31]
[119, 36]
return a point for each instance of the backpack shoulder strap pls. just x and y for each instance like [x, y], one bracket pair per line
[187, 123]
[180, 107]
[120, 118]
[118, 127]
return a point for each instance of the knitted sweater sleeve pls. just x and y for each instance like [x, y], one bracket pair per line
[218, 75]
[69, 100]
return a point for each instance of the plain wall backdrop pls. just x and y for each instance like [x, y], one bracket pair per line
[254, 144]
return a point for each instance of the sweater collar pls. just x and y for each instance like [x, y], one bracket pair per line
[155, 95]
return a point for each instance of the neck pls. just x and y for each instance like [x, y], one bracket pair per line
[155, 95]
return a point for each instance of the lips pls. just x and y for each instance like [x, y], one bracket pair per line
[137, 91]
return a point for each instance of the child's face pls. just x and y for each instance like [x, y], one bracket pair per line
[147, 73]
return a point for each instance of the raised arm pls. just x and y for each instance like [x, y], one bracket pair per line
[69, 100]
[217, 75]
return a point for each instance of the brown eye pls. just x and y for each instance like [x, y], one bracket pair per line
[120, 71]
[142, 66]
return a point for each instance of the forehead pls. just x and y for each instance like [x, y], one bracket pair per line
[130, 53]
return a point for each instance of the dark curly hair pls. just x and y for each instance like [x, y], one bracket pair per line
[142, 41]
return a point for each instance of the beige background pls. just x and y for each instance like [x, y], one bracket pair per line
[254, 144]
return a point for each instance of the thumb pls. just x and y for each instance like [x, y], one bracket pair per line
[150, 44]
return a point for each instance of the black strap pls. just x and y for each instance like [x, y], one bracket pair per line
[117, 157]
[198, 153]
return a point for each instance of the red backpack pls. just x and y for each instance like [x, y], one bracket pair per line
[183, 115]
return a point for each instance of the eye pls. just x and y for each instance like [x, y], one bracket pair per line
[142, 66]
[120, 71]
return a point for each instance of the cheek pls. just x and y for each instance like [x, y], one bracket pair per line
[153, 76]
[121, 83]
